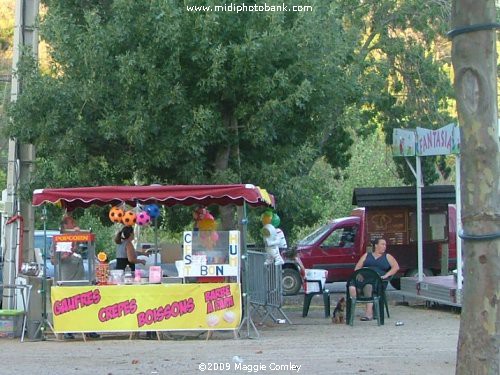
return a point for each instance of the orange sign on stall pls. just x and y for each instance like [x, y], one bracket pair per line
[74, 237]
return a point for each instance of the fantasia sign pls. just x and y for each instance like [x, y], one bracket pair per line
[443, 141]
[426, 142]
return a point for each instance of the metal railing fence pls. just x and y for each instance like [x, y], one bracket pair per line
[265, 288]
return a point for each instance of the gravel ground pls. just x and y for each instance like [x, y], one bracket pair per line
[425, 344]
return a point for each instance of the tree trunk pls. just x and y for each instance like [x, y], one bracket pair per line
[474, 61]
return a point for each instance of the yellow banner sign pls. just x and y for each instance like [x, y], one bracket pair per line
[125, 308]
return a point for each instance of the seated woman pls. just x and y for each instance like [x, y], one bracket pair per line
[382, 263]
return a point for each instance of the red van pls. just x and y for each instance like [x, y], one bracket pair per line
[338, 245]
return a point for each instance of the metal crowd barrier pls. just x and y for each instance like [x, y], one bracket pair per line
[265, 288]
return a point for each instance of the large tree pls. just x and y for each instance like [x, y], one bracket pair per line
[401, 61]
[147, 91]
[142, 90]
[326, 193]
[475, 66]
[404, 65]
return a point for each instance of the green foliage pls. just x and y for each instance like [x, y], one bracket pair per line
[326, 193]
[405, 83]
[6, 27]
[147, 92]
[104, 233]
[140, 90]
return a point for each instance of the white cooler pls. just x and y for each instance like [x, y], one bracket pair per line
[314, 274]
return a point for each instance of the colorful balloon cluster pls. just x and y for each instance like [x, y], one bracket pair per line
[207, 223]
[274, 238]
[129, 218]
[270, 217]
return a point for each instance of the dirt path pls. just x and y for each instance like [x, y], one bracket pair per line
[425, 344]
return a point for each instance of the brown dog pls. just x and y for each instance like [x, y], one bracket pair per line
[338, 313]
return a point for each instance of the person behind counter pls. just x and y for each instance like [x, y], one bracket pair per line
[71, 263]
[125, 251]
[71, 267]
[125, 255]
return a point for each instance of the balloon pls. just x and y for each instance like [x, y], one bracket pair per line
[207, 224]
[275, 221]
[116, 214]
[152, 210]
[268, 231]
[129, 218]
[143, 218]
[266, 217]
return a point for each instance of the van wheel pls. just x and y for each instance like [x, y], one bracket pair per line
[291, 281]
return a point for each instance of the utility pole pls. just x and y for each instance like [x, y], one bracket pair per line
[18, 228]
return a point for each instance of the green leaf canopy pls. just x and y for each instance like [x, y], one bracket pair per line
[149, 92]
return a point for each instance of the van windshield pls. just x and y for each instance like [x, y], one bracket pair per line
[40, 242]
[316, 235]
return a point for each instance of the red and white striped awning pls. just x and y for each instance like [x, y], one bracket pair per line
[237, 194]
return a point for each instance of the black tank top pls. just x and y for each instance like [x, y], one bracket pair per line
[121, 263]
[380, 265]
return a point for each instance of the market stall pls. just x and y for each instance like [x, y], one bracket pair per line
[158, 306]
